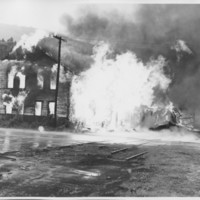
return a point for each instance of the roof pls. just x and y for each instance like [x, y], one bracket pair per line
[75, 55]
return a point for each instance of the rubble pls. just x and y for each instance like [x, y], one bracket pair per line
[164, 118]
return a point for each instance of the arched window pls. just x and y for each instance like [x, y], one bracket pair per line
[16, 80]
[22, 80]
[11, 80]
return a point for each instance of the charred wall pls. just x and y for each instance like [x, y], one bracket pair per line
[34, 93]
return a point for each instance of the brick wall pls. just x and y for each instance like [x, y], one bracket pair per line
[45, 95]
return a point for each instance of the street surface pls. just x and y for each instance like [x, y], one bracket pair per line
[17, 139]
[14, 139]
[60, 164]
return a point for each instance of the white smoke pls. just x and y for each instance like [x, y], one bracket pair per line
[113, 91]
[181, 46]
[27, 42]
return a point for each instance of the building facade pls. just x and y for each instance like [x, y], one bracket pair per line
[28, 87]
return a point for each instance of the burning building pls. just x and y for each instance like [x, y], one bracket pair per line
[28, 77]
[119, 92]
[98, 86]
[158, 37]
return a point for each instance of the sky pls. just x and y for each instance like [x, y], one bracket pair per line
[43, 14]
[47, 14]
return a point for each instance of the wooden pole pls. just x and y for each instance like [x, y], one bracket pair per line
[60, 39]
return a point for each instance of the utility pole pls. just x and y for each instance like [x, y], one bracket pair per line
[60, 39]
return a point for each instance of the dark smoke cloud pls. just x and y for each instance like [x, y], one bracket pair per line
[149, 32]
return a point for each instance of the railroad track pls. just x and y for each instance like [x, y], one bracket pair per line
[127, 154]
[116, 153]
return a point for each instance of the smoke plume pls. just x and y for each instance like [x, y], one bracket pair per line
[168, 30]
[28, 42]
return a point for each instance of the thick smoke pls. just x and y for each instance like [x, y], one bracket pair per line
[151, 31]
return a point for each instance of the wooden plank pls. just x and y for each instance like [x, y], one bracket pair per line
[119, 150]
[124, 149]
[135, 156]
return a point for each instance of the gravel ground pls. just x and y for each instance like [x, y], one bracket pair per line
[170, 169]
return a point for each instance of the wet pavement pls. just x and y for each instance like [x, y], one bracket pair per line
[19, 139]
[15, 140]
[52, 164]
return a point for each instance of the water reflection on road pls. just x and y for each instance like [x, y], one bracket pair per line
[16, 139]
[19, 139]
[12, 140]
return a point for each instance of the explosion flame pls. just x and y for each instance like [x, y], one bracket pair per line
[114, 92]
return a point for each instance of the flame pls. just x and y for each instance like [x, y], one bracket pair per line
[27, 42]
[11, 76]
[113, 92]
[18, 102]
[40, 79]
[53, 77]
[22, 79]
[51, 108]
[63, 76]
[19, 72]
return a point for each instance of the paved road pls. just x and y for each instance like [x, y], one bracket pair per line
[11, 140]
[18, 139]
